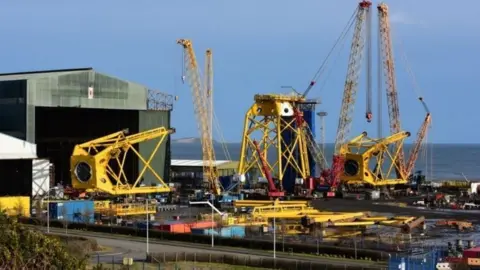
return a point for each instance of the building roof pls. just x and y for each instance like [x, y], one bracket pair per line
[45, 71]
[13, 148]
[195, 163]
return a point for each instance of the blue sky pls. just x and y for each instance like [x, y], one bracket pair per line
[258, 47]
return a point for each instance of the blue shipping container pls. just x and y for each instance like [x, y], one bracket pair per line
[232, 231]
[72, 211]
[143, 225]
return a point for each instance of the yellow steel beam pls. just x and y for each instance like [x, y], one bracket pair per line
[373, 218]
[91, 163]
[256, 203]
[370, 161]
[353, 223]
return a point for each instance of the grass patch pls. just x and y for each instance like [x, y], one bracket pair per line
[79, 246]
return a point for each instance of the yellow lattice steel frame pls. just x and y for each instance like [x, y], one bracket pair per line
[265, 122]
[91, 169]
[367, 152]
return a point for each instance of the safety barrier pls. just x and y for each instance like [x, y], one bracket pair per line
[373, 255]
[253, 261]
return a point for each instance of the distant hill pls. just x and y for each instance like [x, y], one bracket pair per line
[191, 140]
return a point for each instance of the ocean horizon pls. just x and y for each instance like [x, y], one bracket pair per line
[439, 161]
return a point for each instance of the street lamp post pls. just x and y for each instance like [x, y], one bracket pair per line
[213, 209]
[48, 207]
[147, 223]
[274, 235]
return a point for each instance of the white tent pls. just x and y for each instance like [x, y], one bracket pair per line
[13, 148]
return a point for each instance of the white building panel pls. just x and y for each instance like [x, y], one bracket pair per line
[40, 177]
[13, 148]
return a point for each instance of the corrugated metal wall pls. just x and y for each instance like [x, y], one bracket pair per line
[161, 161]
[70, 89]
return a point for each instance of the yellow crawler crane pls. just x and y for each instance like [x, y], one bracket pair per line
[266, 121]
[203, 102]
[371, 161]
[97, 165]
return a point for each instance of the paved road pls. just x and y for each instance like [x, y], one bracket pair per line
[135, 247]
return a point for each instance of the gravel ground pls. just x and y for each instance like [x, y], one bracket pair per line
[386, 207]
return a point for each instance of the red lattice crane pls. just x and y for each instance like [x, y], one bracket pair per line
[273, 191]
[413, 155]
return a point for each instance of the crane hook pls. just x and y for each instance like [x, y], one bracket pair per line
[369, 117]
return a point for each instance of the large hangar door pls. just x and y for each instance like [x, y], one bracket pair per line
[58, 130]
[13, 96]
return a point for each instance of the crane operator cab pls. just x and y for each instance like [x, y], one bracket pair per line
[369, 117]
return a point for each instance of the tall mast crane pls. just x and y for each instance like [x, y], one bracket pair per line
[350, 91]
[201, 105]
[209, 88]
[390, 82]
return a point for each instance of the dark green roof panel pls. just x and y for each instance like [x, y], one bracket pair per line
[83, 88]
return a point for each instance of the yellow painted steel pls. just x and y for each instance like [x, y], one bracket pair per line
[15, 205]
[260, 210]
[265, 121]
[98, 164]
[455, 184]
[373, 218]
[124, 209]
[353, 223]
[288, 214]
[370, 161]
[202, 100]
[335, 217]
[339, 234]
[254, 203]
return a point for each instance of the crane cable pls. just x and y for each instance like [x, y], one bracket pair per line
[411, 74]
[418, 91]
[321, 69]
[220, 134]
[324, 82]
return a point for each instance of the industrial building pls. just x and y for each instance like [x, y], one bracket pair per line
[189, 173]
[45, 113]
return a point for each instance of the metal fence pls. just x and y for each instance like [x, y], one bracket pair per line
[420, 260]
[197, 261]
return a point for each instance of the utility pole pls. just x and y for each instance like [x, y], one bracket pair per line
[322, 131]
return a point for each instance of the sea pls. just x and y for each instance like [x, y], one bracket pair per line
[439, 162]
